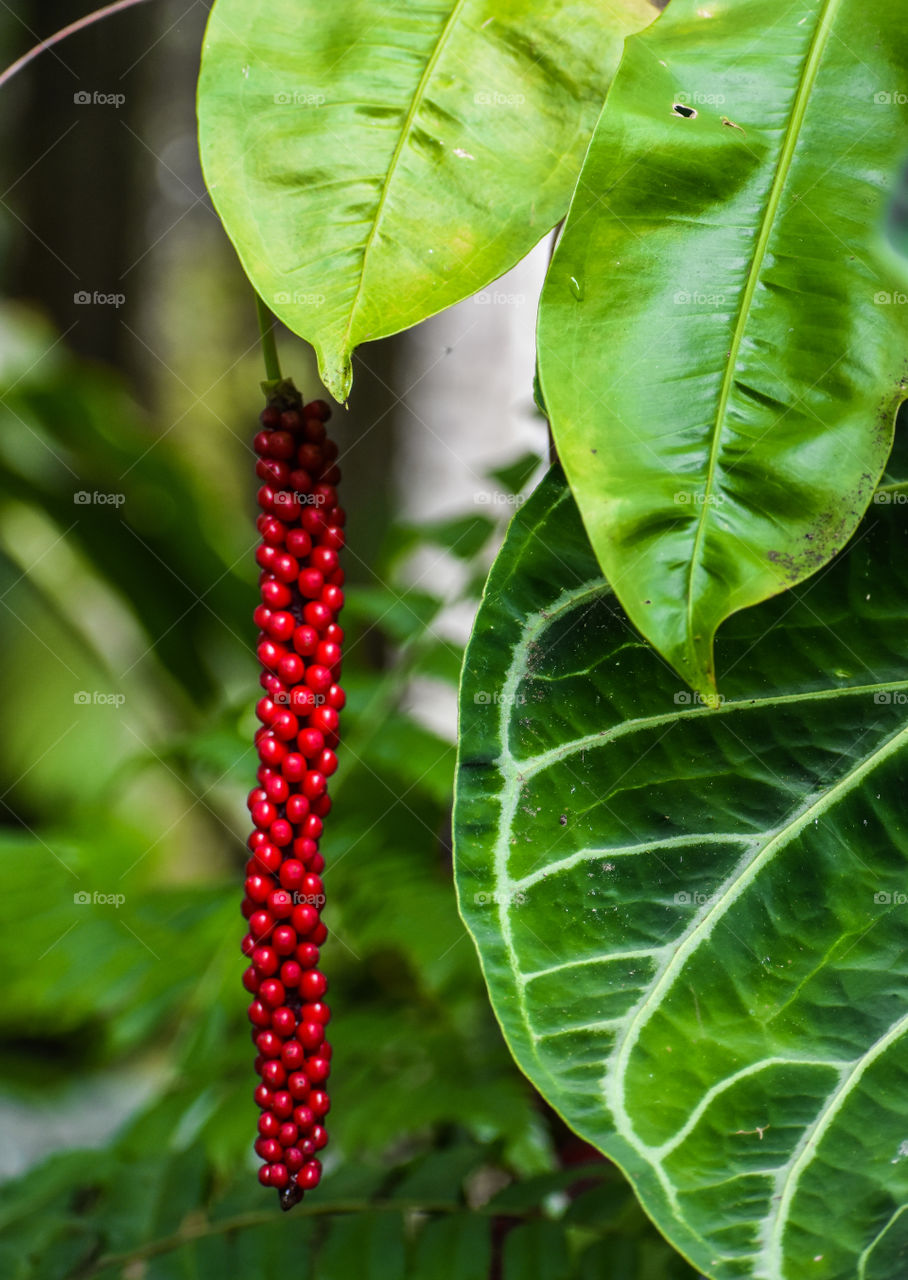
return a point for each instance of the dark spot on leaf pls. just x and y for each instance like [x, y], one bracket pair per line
[679, 109]
[563, 819]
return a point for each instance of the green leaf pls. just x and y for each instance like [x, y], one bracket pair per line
[369, 1245]
[536, 1251]
[692, 919]
[453, 1248]
[718, 348]
[375, 161]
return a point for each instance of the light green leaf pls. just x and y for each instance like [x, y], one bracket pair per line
[375, 161]
[721, 347]
[692, 920]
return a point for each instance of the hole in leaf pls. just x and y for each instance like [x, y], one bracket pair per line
[679, 109]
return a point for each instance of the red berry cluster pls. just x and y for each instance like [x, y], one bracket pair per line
[299, 648]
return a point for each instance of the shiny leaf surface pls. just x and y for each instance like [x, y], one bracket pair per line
[375, 161]
[692, 919]
[721, 343]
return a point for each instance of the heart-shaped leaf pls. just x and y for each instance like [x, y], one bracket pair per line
[692, 920]
[721, 342]
[375, 161]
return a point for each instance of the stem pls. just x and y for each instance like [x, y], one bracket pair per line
[79, 25]
[224, 1226]
[269, 346]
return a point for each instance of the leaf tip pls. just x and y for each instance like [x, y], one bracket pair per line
[336, 372]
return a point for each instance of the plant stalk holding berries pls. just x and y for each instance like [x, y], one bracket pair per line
[299, 648]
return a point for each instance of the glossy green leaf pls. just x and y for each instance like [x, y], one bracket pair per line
[375, 161]
[721, 345]
[692, 920]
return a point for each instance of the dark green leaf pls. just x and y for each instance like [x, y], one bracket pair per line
[692, 919]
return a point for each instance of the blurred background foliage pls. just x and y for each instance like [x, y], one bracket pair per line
[127, 683]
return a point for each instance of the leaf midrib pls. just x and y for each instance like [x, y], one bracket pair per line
[767, 224]
[415, 103]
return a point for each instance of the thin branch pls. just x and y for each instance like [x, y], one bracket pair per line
[79, 25]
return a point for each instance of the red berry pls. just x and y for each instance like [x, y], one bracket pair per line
[259, 1015]
[275, 594]
[284, 940]
[293, 1055]
[311, 583]
[268, 1148]
[269, 1125]
[273, 1072]
[281, 1104]
[292, 420]
[313, 984]
[279, 1175]
[265, 960]
[308, 1177]
[281, 443]
[304, 919]
[281, 626]
[311, 1034]
[326, 719]
[298, 1084]
[284, 1023]
[311, 742]
[297, 808]
[293, 766]
[318, 678]
[319, 1102]
[319, 1069]
[290, 668]
[312, 826]
[263, 813]
[277, 788]
[317, 614]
